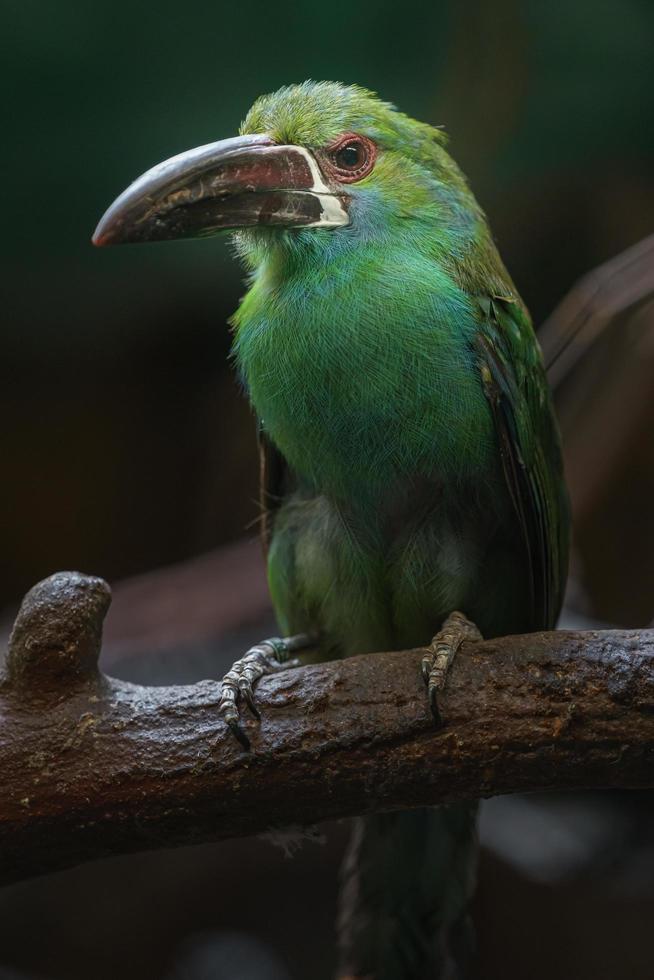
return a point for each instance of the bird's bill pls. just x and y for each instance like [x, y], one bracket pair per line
[234, 183]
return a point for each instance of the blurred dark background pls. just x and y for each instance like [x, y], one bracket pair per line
[127, 445]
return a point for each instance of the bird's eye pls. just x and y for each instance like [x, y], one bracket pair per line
[351, 157]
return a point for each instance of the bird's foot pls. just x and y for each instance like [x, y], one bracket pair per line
[438, 659]
[266, 657]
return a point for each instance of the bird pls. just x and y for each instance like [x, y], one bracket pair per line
[412, 485]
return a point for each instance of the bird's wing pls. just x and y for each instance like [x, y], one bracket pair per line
[273, 481]
[516, 387]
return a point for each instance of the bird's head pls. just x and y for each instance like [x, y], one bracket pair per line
[317, 166]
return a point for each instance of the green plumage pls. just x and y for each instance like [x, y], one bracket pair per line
[397, 374]
[412, 457]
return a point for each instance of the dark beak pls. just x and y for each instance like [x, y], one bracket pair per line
[235, 183]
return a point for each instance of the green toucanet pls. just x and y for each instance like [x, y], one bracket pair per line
[411, 466]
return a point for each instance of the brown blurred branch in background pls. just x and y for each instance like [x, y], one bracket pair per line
[613, 289]
[91, 766]
[599, 347]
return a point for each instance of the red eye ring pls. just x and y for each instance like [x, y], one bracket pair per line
[351, 157]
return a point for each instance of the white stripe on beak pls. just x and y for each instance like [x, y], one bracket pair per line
[333, 214]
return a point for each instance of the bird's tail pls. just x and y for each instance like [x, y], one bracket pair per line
[407, 882]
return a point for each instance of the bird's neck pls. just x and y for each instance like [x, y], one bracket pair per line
[359, 367]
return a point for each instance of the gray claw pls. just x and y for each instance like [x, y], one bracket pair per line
[435, 708]
[239, 734]
[266, 657]
[437, 661]
[248, 696]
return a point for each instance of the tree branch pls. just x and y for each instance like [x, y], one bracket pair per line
[91, 766]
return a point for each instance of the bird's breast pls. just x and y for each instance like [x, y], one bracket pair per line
[361, 388]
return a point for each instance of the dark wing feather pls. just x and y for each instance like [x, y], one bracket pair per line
[516, 388]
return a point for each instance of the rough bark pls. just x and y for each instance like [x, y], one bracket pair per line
[92, 766]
